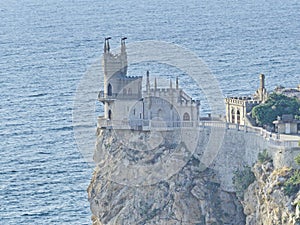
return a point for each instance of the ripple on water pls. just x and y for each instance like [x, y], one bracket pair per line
[46, 48]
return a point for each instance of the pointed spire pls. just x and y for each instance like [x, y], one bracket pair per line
[123, 46]
[171, 84]
[106, 44]
[155, 84]
[177, 84]
[148, 82]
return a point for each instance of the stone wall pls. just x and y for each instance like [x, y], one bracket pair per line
[174, 177]
[241, 148]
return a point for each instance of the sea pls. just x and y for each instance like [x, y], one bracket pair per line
[48, 49]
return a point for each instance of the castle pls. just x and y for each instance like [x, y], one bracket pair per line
[128, 106]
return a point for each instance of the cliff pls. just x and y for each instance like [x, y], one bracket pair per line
[266, 201]
[187, 196]
[149, 178]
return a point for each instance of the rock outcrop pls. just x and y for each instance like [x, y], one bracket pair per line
[150, 178]
[265, 202]
[190, 195]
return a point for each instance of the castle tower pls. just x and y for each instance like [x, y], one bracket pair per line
[261, 94]
[262, 90]
[113, 66]
[117, 85]
[262, 81]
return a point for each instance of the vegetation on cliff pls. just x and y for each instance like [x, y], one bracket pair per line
[241, 180]
[274, 196]
[292, 185]
[276, 105]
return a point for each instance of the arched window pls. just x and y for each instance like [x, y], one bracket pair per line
[129, 91]
[232, 116]
[124, 91]
[186, 117]
[109, 114]
[109, 90]
[159, 113]
[238, 116]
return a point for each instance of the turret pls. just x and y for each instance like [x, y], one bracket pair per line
[262, 81]
[148, 83]
[261, 93]
[106, 45]
[123, 56]
[114, 64]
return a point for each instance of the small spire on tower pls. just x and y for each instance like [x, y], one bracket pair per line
[148, 82]
[106, 44]
[170, 83]
[123, 47]
[177, 85]
[155, 84]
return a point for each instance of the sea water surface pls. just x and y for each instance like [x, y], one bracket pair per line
[47, 46]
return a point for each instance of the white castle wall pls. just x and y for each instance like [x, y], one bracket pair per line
[241, 148]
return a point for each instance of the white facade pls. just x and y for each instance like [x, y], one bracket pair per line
[127, 106]
[237, 108]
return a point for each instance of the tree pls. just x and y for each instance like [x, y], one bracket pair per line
[276, 105]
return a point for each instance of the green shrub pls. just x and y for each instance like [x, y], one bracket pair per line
[241, 180]
[297, 159]
[292, 185]
[276, 105]
[263, 156]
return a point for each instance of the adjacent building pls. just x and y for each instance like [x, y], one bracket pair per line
[238, 108]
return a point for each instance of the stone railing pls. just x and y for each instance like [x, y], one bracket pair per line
[143, 124]
[113, 96]
[273, 138]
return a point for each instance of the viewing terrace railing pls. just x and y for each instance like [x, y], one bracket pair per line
[146, 125]
[113, 96]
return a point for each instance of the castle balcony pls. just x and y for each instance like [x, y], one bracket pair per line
[103, 97]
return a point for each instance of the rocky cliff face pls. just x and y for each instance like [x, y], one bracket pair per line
[132, 184]
[265, 202]
[187, 196]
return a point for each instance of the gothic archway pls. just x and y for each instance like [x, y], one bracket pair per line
[232, 116]
[238, 116]
[109, 114]
[109, 90]
[159, 113]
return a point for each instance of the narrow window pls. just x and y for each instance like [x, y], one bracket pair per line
[186, 117]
